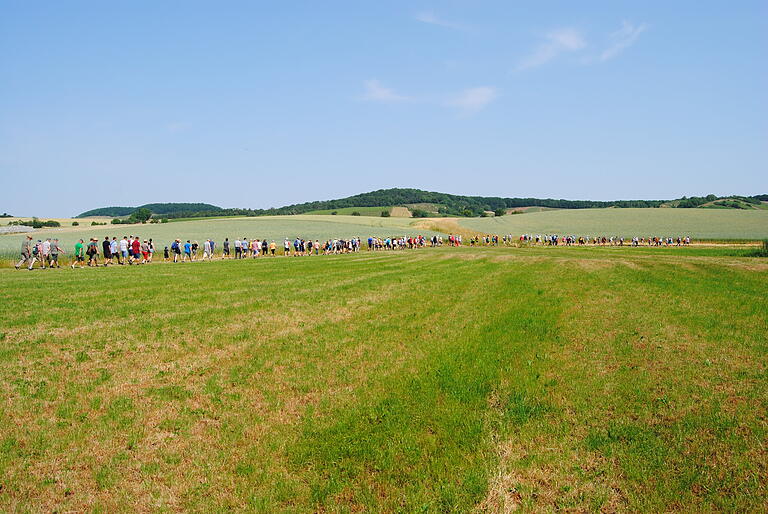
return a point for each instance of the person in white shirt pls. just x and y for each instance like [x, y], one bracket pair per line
[113, 247]
[124, 249]
[207, 249]
[46, 256]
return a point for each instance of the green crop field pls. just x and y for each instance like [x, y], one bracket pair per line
[269, 227]
[697, 223]
[432, 380]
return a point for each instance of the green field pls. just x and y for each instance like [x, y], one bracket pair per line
[696, 223]
[269, 227]
[432, 380]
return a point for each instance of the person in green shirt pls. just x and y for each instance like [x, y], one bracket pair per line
[79, 254]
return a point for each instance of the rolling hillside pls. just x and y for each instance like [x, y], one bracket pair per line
[155, 208]
[441, 204]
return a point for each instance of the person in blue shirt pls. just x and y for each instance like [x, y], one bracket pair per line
[187, 251]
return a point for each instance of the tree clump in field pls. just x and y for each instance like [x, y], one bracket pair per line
[141, 215]
[36, 223]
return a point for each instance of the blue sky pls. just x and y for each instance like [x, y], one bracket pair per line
[259, 104]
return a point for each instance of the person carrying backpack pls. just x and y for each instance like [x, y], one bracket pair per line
[176, 249]
[93, 253]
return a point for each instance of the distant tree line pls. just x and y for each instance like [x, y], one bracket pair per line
[729, 201]
[448, 205]
[36, 223]
[153, 208]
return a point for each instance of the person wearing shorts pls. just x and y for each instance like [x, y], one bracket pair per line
[93, 252]
[106, 247]
[79, 256]
[124, 249]
[145, 253]
[114, 249]
[135, 250]
[55, 250]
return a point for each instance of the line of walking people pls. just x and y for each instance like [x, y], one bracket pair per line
[129, 250]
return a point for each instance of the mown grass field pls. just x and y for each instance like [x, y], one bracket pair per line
[433, 380]
[697, 223]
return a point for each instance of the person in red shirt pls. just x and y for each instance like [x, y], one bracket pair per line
[136, 247]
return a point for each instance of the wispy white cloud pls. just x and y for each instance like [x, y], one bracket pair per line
[468, 101]
[376, 92]
[431, 18]
[556, 42]
[474, 99]
[622, 39]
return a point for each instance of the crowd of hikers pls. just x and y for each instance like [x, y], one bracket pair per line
[555, 240]
[134, 250]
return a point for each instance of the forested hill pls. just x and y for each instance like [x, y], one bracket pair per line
[443, 204]
[458, 205]
[455, 204]
[155, 208]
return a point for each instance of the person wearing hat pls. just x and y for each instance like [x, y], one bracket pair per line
[207, 249]
[144, 248]
[26, 253]
[93, 252]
